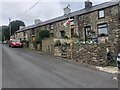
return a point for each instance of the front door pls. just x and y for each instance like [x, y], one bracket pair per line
[87, 32]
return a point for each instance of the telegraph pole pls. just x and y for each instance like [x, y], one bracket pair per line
[10, 26]
[70, 41]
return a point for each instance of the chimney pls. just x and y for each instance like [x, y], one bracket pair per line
[119, 3]
[37, 21]
[88, 4]
[67, 10]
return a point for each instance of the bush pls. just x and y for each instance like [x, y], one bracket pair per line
[43, 34]
[23, 41]
[35, 44]
[65, 37]
[38, 41]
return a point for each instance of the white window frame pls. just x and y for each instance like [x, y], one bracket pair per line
[101, 13]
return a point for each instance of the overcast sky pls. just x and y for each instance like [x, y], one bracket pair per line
[44, 10]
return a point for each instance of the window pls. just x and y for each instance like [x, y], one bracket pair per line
[24, 33]
[62, 33]
[72, 22]
[33, 38]
[102, 30]
[72, 32]
[101, 14]
[33, 31]
[51, 26]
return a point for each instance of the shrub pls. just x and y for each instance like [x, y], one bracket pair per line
[43, 34]
[35, 44]
[23, 41]
[65, 36]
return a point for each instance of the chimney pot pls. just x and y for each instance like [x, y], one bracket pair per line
[67, 10]
[37, 21]
[88, 4]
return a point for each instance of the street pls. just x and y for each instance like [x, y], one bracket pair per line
[23, 68]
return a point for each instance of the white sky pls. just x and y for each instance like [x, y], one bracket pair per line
[44, 10]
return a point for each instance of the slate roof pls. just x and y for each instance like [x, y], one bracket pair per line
[72, 14]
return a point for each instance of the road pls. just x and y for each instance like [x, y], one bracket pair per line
[0, 66]
[23, 68]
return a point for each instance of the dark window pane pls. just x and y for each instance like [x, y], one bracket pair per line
[102, 26]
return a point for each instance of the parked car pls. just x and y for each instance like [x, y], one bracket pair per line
[4, 42]
[118, 60]
[15, 43]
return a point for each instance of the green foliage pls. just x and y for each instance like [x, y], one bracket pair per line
[44, 34]
[4, 33]
[65, 36]
[35, 44]
[57, 43]
[14, 25]
[51, 35]
[38, 41]
[5, 30]
[23, 41]
[41, 35]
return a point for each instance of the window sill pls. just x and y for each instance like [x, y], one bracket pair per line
[101, 17]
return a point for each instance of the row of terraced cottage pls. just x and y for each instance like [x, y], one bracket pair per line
[94, 30]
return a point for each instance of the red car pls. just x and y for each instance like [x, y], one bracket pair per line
[15, 43]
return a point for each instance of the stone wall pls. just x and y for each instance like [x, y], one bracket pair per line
[48, 45]
[95, 54]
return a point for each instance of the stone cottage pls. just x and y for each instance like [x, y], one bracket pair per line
[93, 28]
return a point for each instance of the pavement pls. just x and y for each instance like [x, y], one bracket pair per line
[109, 69]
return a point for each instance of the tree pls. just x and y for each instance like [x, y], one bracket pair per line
[41, 35]
[4, 32]
[14, 25]
[0, 33]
